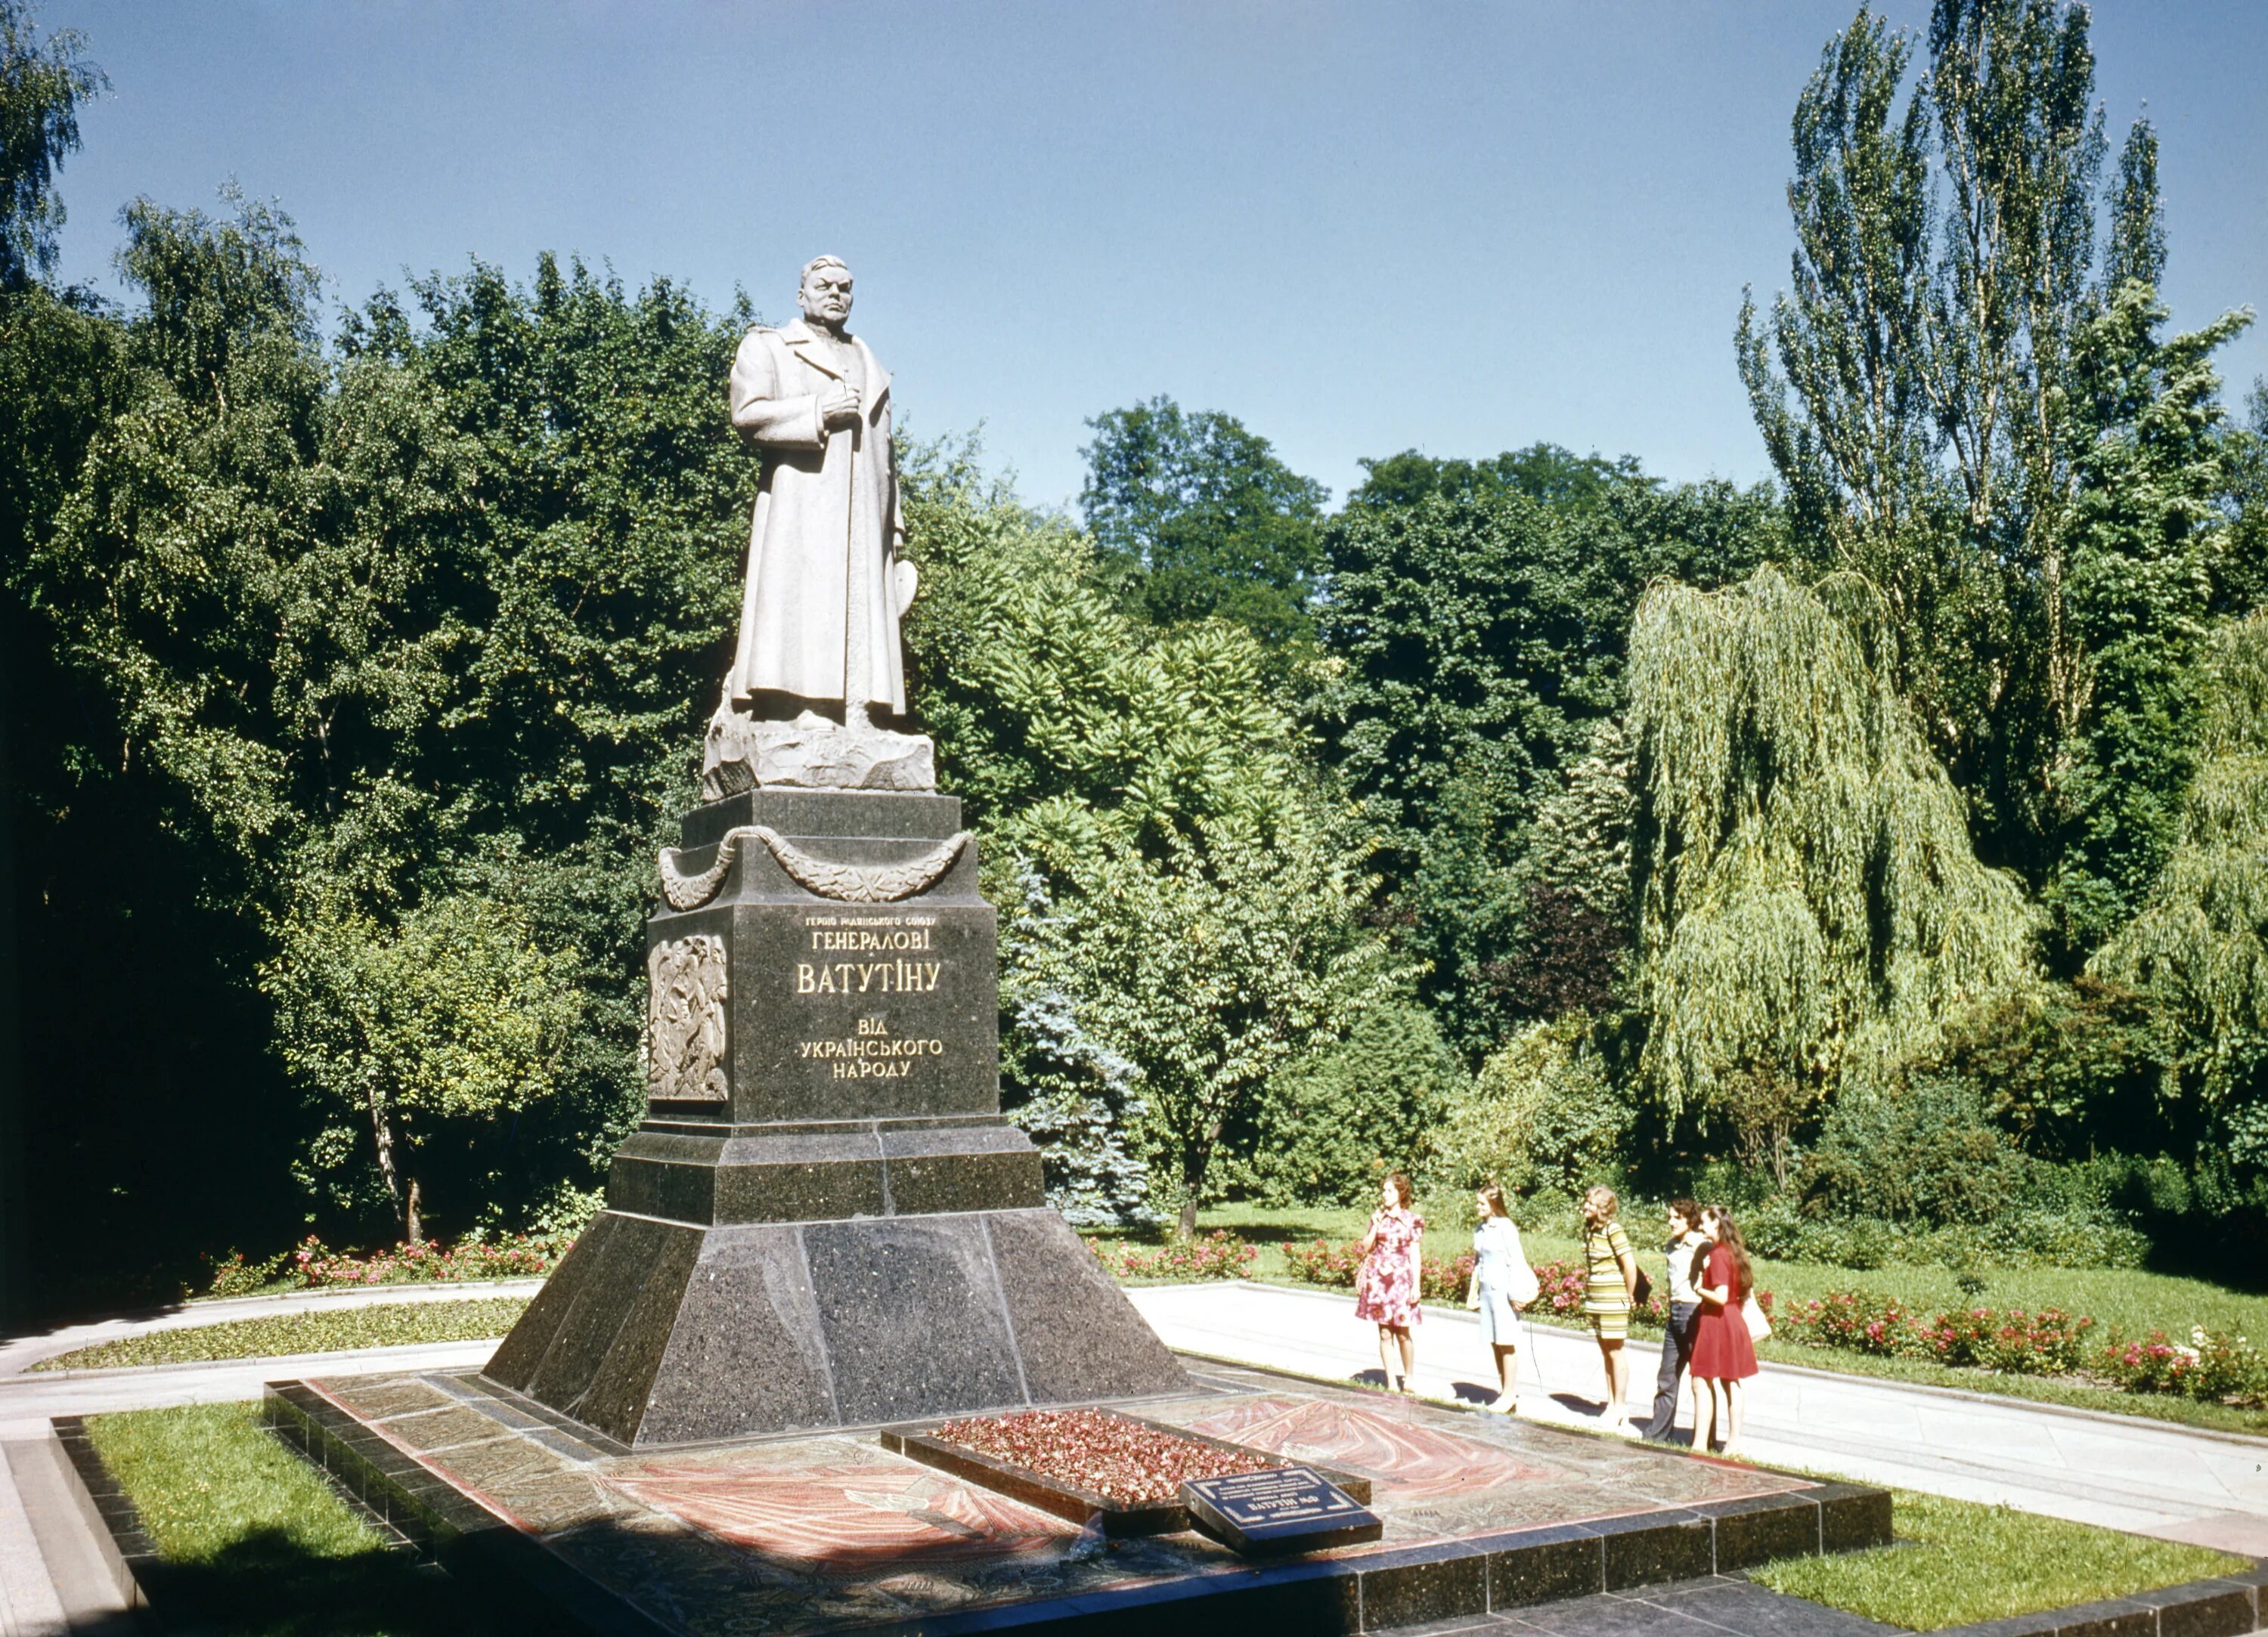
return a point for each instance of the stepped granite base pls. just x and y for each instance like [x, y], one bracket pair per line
[830, 1532]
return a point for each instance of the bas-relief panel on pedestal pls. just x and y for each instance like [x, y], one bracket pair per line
[684, 1020]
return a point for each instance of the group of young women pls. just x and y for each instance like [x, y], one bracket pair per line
[1712, 1319]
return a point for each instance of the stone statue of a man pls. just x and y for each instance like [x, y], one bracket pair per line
[819, 617]
[826, 585]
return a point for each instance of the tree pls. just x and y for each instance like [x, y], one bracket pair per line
[41, 86]
[2200, 944]
[433, 622]
[1473, 645]
[1182, 901]
[2145, 532]
[1210, 968]
[1810, 910]
[1915, 388]
[1333, 1121]
[1198, 519]
[417, 1032]
[1543, 472]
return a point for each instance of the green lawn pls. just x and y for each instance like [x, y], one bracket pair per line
[336, 1330]
[2127, 1299]
[1956, 1562]
[256, 1544]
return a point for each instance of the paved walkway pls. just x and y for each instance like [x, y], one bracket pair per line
[2148, 1477]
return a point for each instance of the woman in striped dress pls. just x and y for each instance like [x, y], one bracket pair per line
[1610, 1291]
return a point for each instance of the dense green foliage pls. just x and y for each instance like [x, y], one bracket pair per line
[2200, 943]
[1965, 395]
[1810, 912]
[1527, 817]
[1197, 518]
[1474, 639]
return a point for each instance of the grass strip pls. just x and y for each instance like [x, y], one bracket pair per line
[335, 1330]
[255, 1543]
[1956, 1562]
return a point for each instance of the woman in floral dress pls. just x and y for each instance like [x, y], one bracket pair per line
[1385, 1288]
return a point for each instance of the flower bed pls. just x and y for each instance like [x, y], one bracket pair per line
[1217, 1255]
[1130, 1462]
[313, 1265]
[2015, 1342]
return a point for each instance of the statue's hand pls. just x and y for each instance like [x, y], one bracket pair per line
[840, 407]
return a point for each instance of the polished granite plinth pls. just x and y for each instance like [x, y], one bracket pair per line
[824, 1221]
[833, 1532]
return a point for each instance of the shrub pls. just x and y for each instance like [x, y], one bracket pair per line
[1859, 1320]
[1955, 1165]
[426, 1262]
[1444, 1278]
[1330, 1125]
[1560, 1293]
[1217, 1255]
[1542, 1113]
[2013, 1343]
[1323, 1263]
[233, 1276]
[2083, 1234]
[2212, 1367]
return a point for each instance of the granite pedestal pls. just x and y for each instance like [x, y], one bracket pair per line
[824, 1221]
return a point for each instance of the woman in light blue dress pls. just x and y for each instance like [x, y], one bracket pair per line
[1502, 1284]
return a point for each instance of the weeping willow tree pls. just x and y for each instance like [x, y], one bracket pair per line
[2200, 943]
[1809, 905]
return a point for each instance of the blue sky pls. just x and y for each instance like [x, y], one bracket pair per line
[1360, 228]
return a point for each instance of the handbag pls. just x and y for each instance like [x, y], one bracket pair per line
[1642, 1290]
[1752, 1315]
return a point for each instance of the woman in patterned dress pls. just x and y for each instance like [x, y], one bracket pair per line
[1610, 1291]
[1386, 1288]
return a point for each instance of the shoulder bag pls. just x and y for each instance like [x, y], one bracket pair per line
[1752, 1315]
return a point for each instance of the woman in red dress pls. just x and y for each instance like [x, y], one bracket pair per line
[1723, 1355]
[1385, 1288]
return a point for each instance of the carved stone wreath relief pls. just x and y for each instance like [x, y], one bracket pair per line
[684, 1020]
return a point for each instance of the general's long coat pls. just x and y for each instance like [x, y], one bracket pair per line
[827, 520]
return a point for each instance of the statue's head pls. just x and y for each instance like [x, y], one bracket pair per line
[826, 292]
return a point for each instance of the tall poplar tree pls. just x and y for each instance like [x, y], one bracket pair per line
[1956, 248]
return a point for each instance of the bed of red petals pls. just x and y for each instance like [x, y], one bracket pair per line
[1097, 1451]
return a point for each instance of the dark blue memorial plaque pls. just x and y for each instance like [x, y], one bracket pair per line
[1284, 1508]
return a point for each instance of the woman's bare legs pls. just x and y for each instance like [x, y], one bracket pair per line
[1507, 1375]
[1732, 1408]
[1409, 1343]
[1704, 1413]
[1386, 1357]
[1616, 1363]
